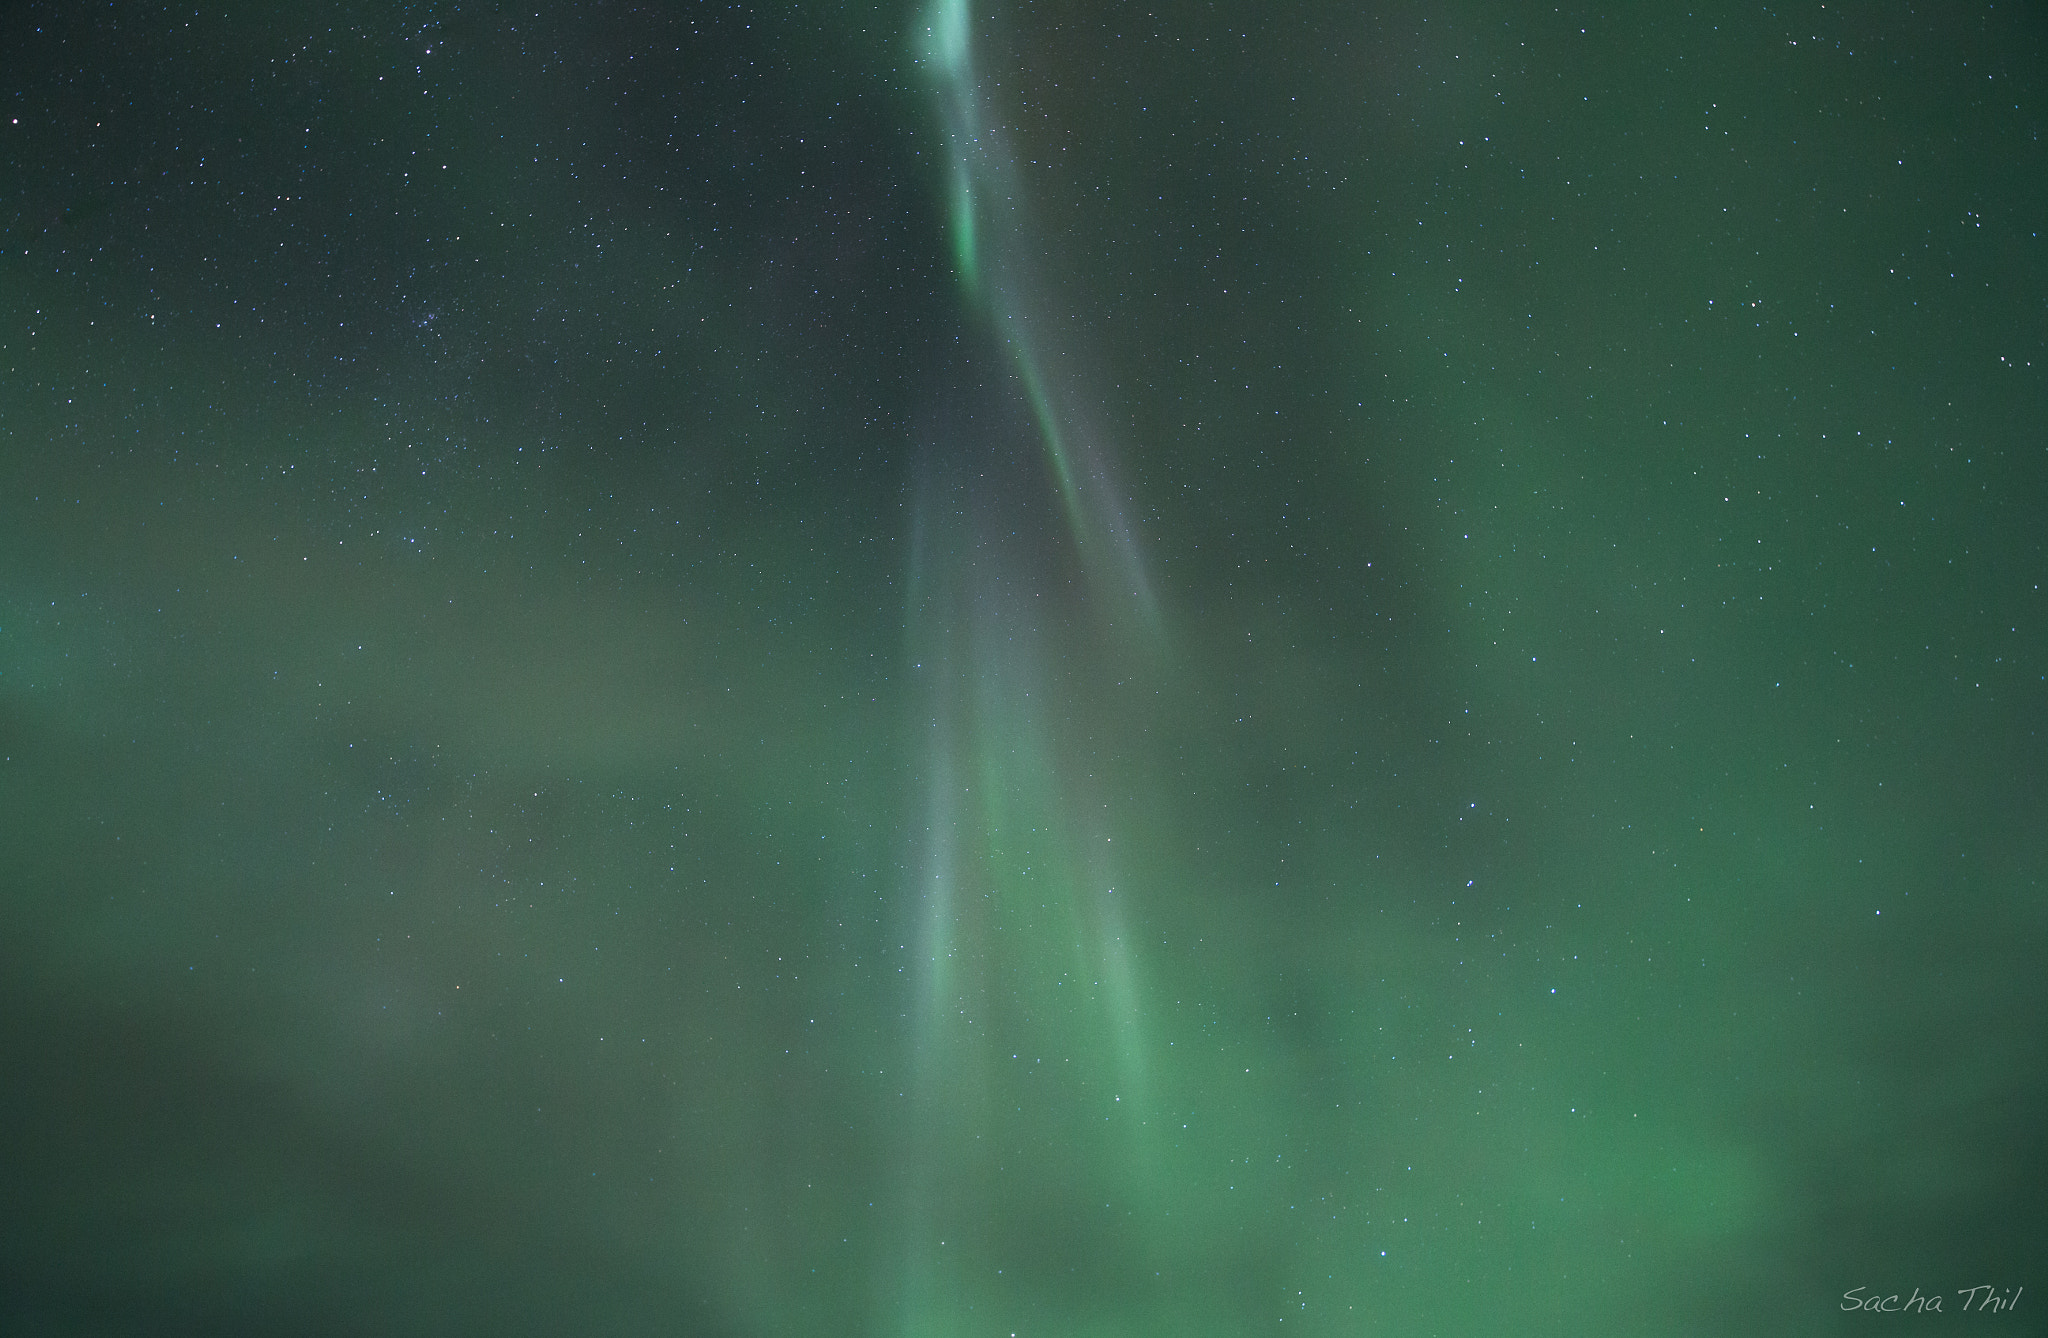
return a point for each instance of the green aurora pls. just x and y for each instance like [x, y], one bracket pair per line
[1022, 670]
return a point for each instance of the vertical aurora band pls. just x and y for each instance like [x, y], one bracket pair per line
[1029, 1079]
[989, 225]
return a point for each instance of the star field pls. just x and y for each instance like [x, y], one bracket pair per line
[1020, 668]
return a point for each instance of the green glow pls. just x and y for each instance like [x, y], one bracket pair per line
[947, 52]
[520, 814]
[946, 34]
[1049, 429]
[966, 261]
[1032, 1090]
[1031, 1076]
[985, 209]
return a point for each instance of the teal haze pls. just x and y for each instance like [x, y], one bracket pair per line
[990, 669]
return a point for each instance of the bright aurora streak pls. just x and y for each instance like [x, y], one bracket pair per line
[1029, 1033]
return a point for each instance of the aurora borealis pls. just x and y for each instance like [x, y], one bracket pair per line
[1040, 669]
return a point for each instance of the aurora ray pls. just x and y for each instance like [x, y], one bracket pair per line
[989, 217]
[1028, 1026]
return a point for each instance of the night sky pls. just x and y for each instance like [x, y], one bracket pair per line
[1063, 669]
